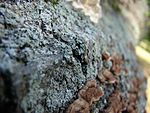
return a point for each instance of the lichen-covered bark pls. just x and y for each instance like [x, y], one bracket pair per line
[48, 53]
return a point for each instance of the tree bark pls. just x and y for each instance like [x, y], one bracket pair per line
[48, 52]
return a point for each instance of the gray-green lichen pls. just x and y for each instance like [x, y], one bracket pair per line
[56, 50]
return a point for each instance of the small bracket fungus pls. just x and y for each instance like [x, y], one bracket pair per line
[91, 92]
[79, 106]
[136, 84]
[106, 56]
[90, 8]
[101, 78]
[132, 108]
[91, 83]
[116, 103]
[106, 75]
[116, 64]
[133, 95]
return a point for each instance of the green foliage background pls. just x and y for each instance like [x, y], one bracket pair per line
[146, 39]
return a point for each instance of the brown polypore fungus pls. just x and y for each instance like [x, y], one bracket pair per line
[116, 103]
[79, 106]
[136, 83]
[101, 78]
[107, 75]
[116, 64]
[91, 92]
[132, 108]
[91, 83]
[133, 95]
[105, 56]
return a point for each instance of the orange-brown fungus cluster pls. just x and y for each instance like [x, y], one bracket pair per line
[105, 56]
[116, 103]
[117, 63]
[79, 106]
[89, 94]
[136, 83]
[116, 68]
[132, 108]
[106, 75]
[133, 95]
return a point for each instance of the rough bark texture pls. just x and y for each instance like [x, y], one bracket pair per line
[48, 53]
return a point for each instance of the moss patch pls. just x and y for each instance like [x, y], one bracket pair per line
[114, 4]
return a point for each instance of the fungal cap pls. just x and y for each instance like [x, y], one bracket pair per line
[116, 69]
[101, 78]
[117, 59]
[90, 92]
[117, 103]
[79, 106]
[116, 64]
[109, 76]
[91, 83]
[105, 56]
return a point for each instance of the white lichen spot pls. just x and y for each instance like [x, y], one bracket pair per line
[90, 8]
